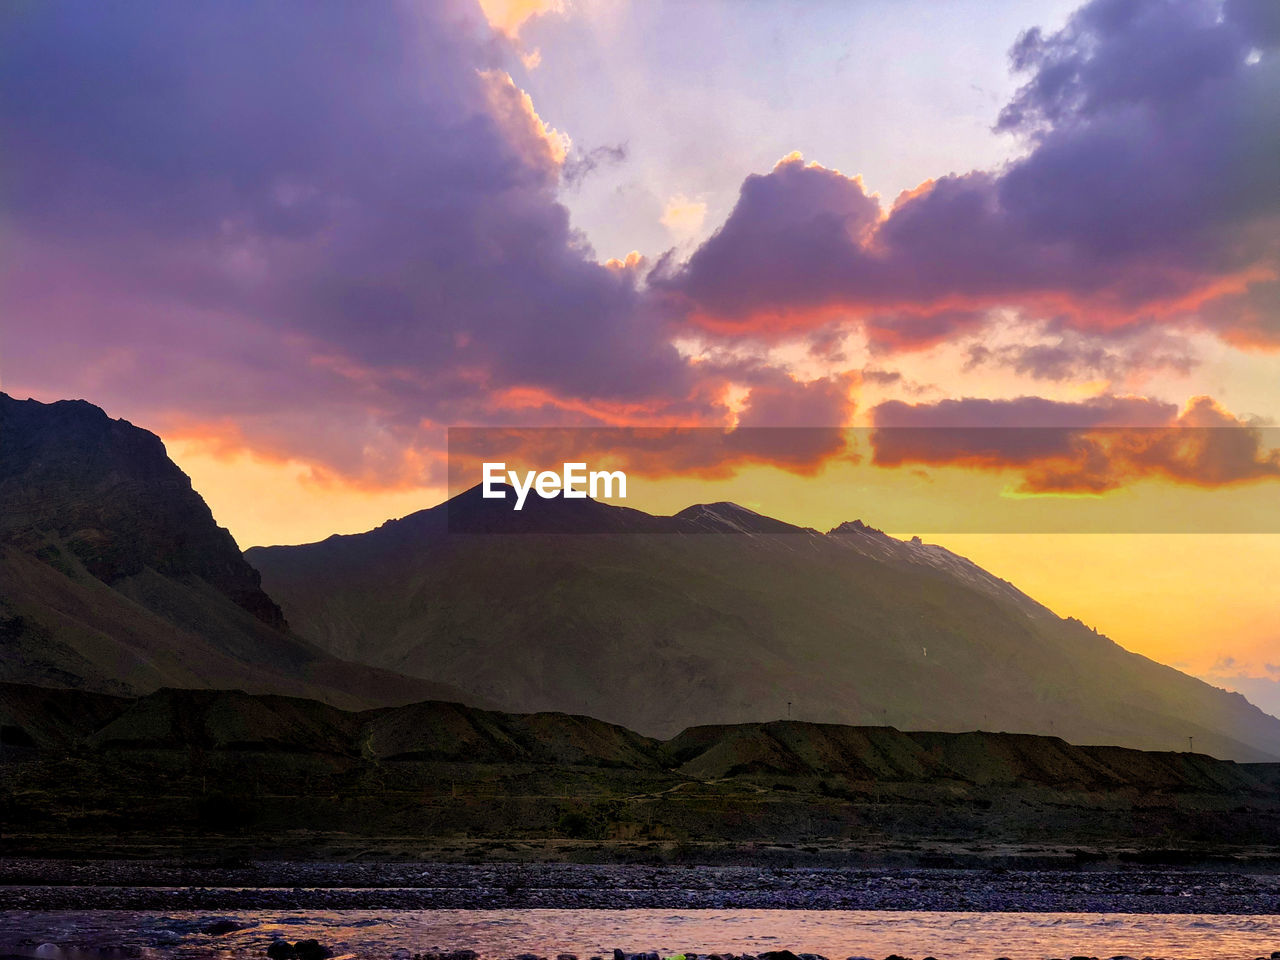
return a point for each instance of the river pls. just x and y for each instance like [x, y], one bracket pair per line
[75, 935]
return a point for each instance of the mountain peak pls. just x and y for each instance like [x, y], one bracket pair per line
[105, 492]
[115, 577]
[472, 512]
[726, 517]
[855, 527]
[855, 627]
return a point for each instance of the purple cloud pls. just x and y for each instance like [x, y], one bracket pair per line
[1148, 193]
[342, 219]
[327, 231]
[1071, 355]
[1091, 446]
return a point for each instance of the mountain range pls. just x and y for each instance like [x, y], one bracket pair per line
[115, 578]
[283, 773]
[720, 615]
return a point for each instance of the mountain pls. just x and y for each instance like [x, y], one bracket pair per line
[428, 731]
[155, 769]
[721, 615]
[114, 576]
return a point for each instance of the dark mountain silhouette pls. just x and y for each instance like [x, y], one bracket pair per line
[80, 767]
[721, 615]
[436, 731]
[114, 576]
[62, 721]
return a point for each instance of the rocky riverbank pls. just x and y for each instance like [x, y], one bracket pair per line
[172, 885]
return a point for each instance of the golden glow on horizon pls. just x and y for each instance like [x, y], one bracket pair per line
[1185, 599]
[1188, 600]
[266, 502]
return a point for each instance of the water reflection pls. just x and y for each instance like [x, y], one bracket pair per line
[101, 935]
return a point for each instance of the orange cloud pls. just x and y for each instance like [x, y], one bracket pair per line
[794, 426]
[513, 108]
[391, 466]
[508, 16]
[1079, 448]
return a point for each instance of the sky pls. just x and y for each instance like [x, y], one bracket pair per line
[300, 242]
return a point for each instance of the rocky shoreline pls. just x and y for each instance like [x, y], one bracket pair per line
[172, 885]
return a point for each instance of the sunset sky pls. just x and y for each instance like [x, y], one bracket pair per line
[301, 241]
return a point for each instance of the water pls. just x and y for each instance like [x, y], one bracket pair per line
[74, 935]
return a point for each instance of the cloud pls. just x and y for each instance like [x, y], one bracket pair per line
[973, 413]
[323, 233]
[338, 226]
[683, 217]
[1092, 446]
[778, 400]
[514, 110]
[1051, 352]
[796, 426]
[883, 378]
[1147, 195]
[788, 228]
[581, 164]
[508, 16]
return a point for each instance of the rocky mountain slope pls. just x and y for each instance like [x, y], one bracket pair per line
[114, 576]
[720, 615]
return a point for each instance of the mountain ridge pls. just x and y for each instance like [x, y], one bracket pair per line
[260, 772]
[180, 719]
[106, 491]
[115, 577]
[659, 623]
